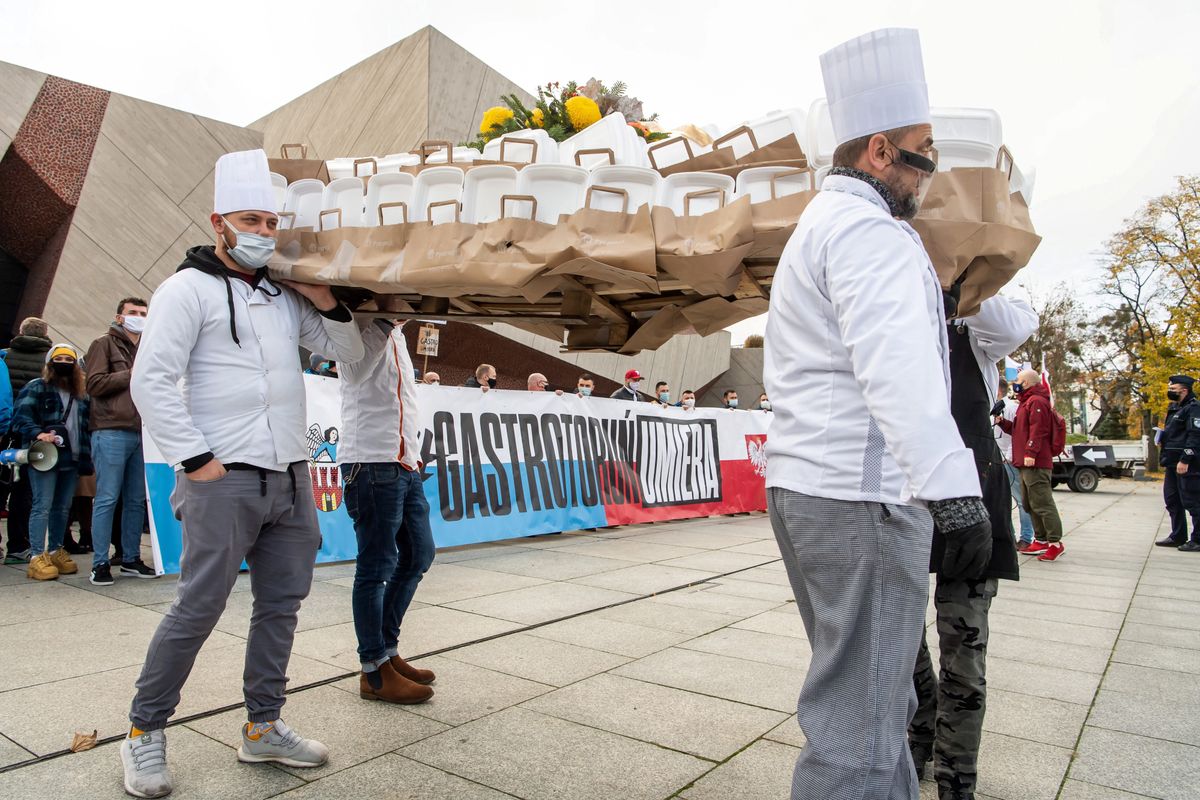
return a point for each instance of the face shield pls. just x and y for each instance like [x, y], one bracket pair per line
[925, 167]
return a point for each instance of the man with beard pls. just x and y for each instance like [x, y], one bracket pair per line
[219, 387]
[951, 704]
[858, 470]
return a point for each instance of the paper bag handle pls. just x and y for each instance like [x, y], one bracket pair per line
[374, 166]
[431, 146]
[321, 218]
[402, 206]
[745, 130]
[624, 195]
[429, 208]
[595, 151]
[531, 142]
[1002, 155]
[687, 199]
[290, 216]
[283, 148]
[687, 144]
[812, 178]
[518, 198]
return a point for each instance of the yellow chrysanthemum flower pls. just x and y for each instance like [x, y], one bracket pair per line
[496, 115]
[537, 118]
[582, 111]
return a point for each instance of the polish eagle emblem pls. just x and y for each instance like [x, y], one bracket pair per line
[756, 452]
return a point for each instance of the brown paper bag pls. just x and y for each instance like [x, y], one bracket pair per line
[715, 159]
[622, 241]
[496, 258]
[366, 257]
[603, 276]
[295, 169]
[970, 219]
[717, 313]
[705, 252]
[785, 149]
[775, 221]
[657, 331]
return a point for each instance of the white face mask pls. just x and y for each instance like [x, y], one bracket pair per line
[689, 403]
[434, 383]
[635, 385]
[134, 324]
[765, 405]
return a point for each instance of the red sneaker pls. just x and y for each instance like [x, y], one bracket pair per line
[1023, 547]
[1052, 552]
[1036, 548]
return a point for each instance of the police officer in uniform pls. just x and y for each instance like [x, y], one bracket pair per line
[1181, 483]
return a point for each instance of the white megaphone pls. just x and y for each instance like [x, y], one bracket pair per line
[42, 456]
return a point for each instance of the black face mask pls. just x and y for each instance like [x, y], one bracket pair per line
[491, 383]
[1173, 395]
[62, 370]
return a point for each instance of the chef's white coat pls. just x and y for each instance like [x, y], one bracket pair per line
[379, 402]
[856, 360]
[198, 391]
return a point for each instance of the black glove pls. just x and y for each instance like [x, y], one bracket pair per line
[967, 529]
[998, 409]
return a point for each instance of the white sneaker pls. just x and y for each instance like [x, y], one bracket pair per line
[145, 762]
[282, 745]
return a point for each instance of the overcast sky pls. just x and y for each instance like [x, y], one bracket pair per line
[1100, 97]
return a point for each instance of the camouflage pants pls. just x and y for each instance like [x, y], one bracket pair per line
[949, 718]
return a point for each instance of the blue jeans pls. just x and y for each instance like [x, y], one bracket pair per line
[395, 549]
[52, 495]
[120, 472]
[1014, 484]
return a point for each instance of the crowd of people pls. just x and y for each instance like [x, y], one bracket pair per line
[80, 406]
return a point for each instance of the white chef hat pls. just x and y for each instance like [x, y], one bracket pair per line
[876, 83]
[243, 183]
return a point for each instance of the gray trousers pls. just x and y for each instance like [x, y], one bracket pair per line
[273, 527]
[860, 573]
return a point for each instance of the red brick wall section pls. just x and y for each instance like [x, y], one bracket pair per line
[42, 175]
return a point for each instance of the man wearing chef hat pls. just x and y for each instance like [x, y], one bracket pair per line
[863, 455]
[219, 388]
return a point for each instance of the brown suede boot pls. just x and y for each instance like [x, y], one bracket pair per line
[395, 689]
[414, 674]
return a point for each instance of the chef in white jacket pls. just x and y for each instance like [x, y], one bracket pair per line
[862, 449]
[219, 388]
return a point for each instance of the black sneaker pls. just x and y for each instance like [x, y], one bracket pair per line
[1190, 547]
[101, 576]
[138, 569]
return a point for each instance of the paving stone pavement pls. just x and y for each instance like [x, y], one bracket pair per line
[643, 692]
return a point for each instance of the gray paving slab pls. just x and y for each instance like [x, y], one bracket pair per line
[1041, 596]
[767, 573]
[670, 618]
[644, 579]
[1167, 619]
[550, 565]
[1078, 790]
[12, 753]
[721, 561]
[787, 732]
[12, 576]
[1052, 611]
[1137, 764]
[630, 549]
[611, 636]
[1048, 653]
[541, 603]
[87, 643]
[1051, 630]
[712, 539]
[700, 598]
[1172, 592]
[457, 555]
[203, 769]
[396, 778]
[1157, 716]
[758, 591]
[1144, 602]
[1040, 719]
[1039, 680]
[765, 547]
[446, 583]
[1006, 771]
[751, 682]
[355, 730]
[539, 757]
[42, 601]
[327, 604]
[762, 771]
[1182, 659]
[1160, 634]
[215, 681]
[464, 692]
[1153, 682]
[424, 631]
[673, 718]
[752, 645]
[537, 659]
[783, 621]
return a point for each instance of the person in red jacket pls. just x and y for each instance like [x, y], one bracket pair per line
[1031, 435]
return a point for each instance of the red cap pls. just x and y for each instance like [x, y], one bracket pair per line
[632, 375]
